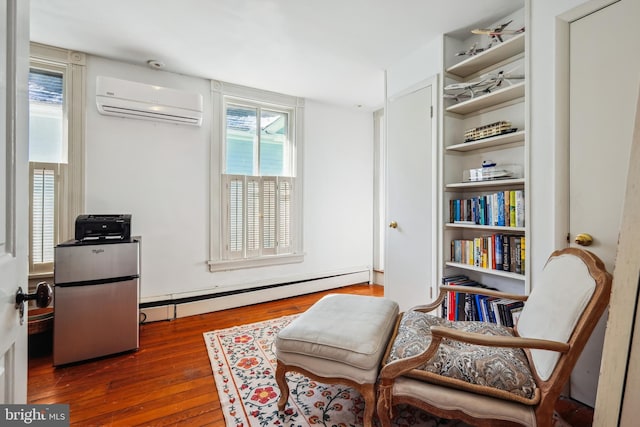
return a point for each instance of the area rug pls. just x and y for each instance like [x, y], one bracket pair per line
[244, 363]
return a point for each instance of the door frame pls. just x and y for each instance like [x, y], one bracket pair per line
[14, 253]
[611, 378]
[562, 103]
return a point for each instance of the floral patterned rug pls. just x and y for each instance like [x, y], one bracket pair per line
[244, 364]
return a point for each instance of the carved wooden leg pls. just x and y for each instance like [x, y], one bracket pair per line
[385, 405]
[368, 392]
[281, 369]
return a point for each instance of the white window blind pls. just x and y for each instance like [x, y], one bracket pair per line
[43, 208]
[263, 204]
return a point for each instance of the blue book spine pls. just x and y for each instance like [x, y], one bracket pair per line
[479, 307]
[501, 209]
[454, 210]
[498, 251]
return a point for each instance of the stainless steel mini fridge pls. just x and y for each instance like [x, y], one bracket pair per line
[96, 297]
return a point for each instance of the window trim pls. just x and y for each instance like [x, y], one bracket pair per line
[237, 93]
[70, 191]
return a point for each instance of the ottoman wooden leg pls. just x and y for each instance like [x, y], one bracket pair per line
[368, 392]
[281, 369]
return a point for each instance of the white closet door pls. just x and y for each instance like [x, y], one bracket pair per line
[604, 78]
[409, 245]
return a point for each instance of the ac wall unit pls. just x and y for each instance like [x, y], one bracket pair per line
[122, 98]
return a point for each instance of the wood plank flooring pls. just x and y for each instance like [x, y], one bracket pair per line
[168, 381]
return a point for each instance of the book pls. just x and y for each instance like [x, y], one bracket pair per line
[506, 252]
[512, 208]
[498, 251]
[507, 209]
[500, 196]
[519, 208]
[518, 256]
[509, 307]
[522, 254]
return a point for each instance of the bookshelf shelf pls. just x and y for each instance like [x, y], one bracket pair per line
[500, 229]
[511, 139]
[496, 54]
[500, 273]
[492, 99]
[479, 185]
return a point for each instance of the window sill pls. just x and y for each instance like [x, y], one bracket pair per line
[43, 275]
[238, 264]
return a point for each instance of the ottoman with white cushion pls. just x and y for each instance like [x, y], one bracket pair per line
[340, 339]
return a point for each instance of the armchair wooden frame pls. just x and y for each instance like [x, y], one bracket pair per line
[550, 389]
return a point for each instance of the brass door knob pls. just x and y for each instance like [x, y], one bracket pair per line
[584, 239]
[393, 224]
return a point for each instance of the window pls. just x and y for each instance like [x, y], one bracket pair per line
[56, 98]
[256, 173]
[47, 149]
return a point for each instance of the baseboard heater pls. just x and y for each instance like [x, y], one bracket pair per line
[211, 301]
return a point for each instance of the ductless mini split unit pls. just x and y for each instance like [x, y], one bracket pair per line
[122, 98]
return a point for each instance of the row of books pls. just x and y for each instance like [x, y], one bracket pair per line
[502, 209]
[505, 252]
[471, 307]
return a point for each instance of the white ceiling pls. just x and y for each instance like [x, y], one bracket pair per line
[333, 51]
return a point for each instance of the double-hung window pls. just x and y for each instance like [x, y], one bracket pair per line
[56, 129]
[259, 193]
[47, 151]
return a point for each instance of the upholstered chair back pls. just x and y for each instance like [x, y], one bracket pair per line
[555, 305]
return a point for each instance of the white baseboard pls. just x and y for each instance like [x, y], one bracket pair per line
[378, 277]
[173, 310]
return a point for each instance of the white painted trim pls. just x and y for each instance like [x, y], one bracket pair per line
[71, 189]
[378, 277]
[263, 261]
[219, 90]
[310, 285]
[605, 415]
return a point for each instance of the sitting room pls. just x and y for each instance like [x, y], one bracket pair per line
[174, 255]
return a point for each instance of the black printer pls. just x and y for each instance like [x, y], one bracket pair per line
[105, 227]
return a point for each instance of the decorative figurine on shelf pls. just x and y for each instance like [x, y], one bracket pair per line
[497, 33]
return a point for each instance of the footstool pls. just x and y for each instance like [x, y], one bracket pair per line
[340, 339]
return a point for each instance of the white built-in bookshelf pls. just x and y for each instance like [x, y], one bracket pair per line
[509, 151]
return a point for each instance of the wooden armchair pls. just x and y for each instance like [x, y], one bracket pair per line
[491, 375]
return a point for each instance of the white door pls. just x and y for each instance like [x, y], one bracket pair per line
[410, 207]
[604, 78]
[14, 63]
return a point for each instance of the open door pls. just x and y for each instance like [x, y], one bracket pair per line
[14, 68]
[618, 400]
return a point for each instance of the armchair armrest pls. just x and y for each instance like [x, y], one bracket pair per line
[499, 341]
[445, 289]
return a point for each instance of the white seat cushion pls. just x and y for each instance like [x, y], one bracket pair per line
[348, 329]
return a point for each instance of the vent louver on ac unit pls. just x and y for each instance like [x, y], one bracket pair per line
[134, 100]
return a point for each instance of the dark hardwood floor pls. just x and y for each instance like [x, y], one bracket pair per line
[168, 381]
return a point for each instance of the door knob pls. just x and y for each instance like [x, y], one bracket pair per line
[393, 224]
[43, 296]
[584, 239]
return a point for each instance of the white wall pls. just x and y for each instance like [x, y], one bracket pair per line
[416, 67]
[159, 173]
